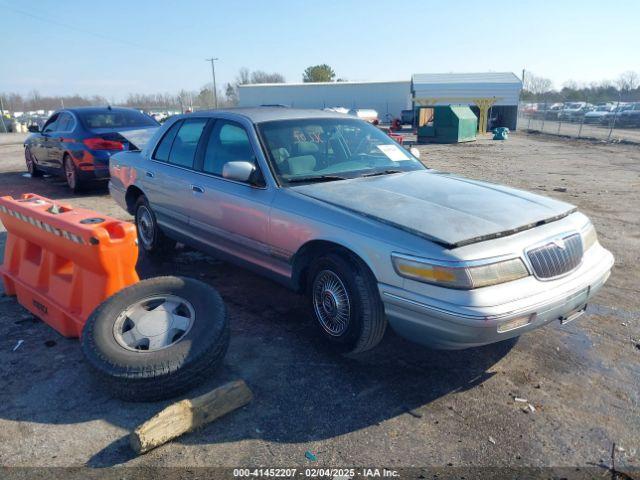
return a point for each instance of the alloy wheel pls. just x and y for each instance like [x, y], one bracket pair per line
[70, 174]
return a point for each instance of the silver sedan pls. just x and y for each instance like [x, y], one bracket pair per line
[332, 207]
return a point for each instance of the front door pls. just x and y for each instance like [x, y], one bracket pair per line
[229, 215]
[55, 141]
[41, 146]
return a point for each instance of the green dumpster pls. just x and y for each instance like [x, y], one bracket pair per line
[446, 124]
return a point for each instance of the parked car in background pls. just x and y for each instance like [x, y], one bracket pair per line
[596, 115]
[78, 142]
[612, 117]
[407, 117]
[574, 111]
[630, 117]
[343, 110]
[529, 108]
[332, 207]
[366, 114]
[550, 112]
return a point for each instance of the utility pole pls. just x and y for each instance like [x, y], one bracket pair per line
[213, 74]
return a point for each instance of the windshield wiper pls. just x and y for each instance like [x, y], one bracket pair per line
[316, 178]
[383, 172]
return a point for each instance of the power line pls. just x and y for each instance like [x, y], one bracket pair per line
[91, 32]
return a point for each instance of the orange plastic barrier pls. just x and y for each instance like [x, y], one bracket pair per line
[397, 137]
[62, 262]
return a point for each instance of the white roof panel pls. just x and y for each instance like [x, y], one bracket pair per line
[449, 78]
[465, 88]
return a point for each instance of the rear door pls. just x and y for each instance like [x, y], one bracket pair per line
[229, 215]
[167, 178]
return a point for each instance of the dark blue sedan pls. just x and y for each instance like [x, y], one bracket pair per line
[78, 142]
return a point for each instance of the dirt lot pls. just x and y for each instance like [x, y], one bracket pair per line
[401, 405]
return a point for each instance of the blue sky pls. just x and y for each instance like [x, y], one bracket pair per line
[159, 46]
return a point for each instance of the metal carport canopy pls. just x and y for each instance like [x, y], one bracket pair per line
[448, 88]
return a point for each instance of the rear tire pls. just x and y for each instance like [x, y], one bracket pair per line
[33, 170]
[129, 371]
[71, 174]
[343, 298]
[151, 238]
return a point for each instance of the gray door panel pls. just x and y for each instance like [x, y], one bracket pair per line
[232, 217]
[166, 189]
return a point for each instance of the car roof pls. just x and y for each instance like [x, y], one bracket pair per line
[98, 109]
[268, 114]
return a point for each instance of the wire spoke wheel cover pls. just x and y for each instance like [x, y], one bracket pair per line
[146, 227]
[331, 303]
[154, 323]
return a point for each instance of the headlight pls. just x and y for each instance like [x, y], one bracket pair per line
[589, 237]
[460, 275]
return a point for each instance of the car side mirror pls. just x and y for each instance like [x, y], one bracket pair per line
[33, 128]
[239, 171]
[415, 152]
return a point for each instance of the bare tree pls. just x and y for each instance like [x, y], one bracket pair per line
[259, 76]
[536, 85]
[627, 82]
[243, 76]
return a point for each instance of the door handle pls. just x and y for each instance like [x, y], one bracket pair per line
[150, 174]
[197, 188]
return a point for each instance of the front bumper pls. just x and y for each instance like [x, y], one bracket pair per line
[444, 325]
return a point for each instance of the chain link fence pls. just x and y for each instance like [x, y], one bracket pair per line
[609, 122]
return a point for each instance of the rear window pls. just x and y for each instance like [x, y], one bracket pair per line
[116, 119]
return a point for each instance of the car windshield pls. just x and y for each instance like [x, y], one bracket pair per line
[115, 119]
[332, 149]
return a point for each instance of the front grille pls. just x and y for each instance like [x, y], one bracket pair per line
[551, 260]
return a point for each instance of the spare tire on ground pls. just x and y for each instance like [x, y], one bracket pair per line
[156, 339]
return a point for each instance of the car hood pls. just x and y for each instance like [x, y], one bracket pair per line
[449, 210]
[596, 114]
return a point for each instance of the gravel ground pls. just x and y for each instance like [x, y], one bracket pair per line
[401, 405]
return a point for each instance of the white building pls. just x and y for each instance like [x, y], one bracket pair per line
[492, 95]
[384, 97]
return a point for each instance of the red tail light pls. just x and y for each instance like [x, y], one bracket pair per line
[102, 144]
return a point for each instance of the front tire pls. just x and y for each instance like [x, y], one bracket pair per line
[157, 338]
[344, 300]
[150, 238]
[33, 170]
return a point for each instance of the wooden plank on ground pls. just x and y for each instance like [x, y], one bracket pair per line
[189, 414]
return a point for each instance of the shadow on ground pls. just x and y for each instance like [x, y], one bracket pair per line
[303, 391]
[50, 186]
